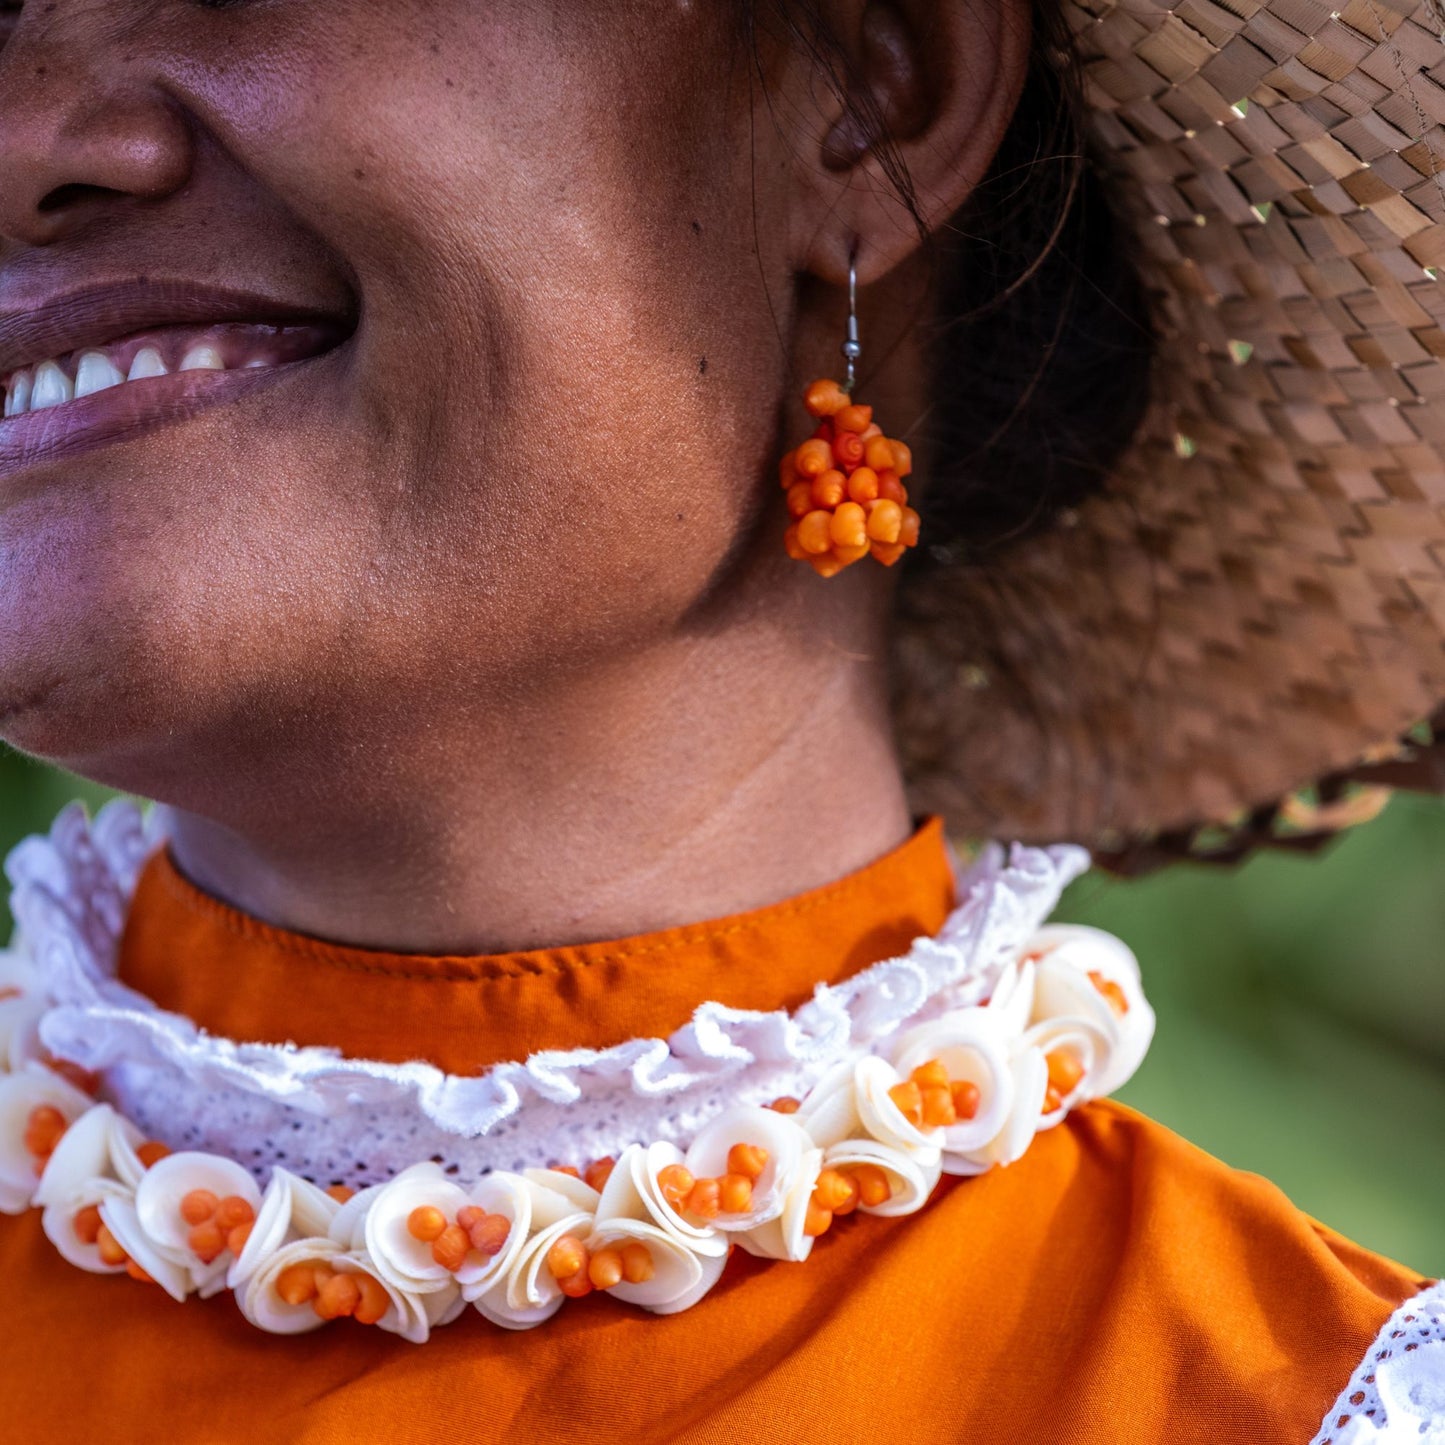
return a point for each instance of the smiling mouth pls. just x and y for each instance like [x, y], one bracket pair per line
[142, 359]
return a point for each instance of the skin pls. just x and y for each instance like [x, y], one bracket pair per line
[477, 632]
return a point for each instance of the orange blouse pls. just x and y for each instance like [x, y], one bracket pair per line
[1116, 1285]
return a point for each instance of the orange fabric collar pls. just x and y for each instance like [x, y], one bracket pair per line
[241, 978]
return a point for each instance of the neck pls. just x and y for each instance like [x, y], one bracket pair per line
[698, 778]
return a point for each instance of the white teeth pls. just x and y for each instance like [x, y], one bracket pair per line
[52, 387]
[48, 383]
[17, 399]
[147, 363]
[96, 372]
[202, 358]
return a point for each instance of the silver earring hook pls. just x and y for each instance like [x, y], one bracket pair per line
[852, 350]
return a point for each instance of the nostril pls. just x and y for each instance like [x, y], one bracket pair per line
[64, 198]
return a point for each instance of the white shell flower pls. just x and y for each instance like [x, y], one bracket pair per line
[527, 1294]
[883, 1119]
[1030, 1083]
[400, 1258]
[33, 1087]
[783, 1236]
[291, 1208]
[1086, 1044]
[973, 1045]
[264, 1307]
[786, 1143]
[403, 1260]
[1072, 962]
[686, 1259]
[118, 1212]
[632, 1192]
[512, 1197]
[58, 1220]
[166, 1183]
[100, 1146]
[680, 1274]
[406, 1315]
[910, 1181]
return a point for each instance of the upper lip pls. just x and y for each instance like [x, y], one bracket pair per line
[34, 329]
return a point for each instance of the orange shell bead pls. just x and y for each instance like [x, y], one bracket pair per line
[849, 526]
[848, 449]
[198, 1206]
[829, 489]
[863, 485]
[891, 489]
[813, 458]
[853, 418]
[637, 1265]
[374, 1301]
[815, 532]
[825, 398]
[567, 1257]
[605, 1268]
[878, 453]
[885, 521]
[873, 1186]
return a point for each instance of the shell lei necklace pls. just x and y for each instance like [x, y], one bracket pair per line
[960, 1092]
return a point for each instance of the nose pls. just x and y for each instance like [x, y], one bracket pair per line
[83, 130]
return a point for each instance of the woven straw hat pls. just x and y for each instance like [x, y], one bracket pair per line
[1257, 598]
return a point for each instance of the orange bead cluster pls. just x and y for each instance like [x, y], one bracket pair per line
[729, 1193]
[44, 1125]
[453, 1241]
[333, 1294]
[845, 487]
[90, 1228]
[929, 1099]
[579, 1270]
[216, 1225]
[1065, 1071]
[838, 1192]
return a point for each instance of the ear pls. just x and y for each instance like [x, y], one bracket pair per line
[934, 80]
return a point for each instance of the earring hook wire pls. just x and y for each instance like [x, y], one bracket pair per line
[852, 349]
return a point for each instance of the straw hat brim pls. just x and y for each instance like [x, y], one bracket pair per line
[1257, 598]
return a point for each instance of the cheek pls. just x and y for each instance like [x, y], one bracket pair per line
[569, 353]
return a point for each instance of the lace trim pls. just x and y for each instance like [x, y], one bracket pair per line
[1398, 1392]
[365, 1119]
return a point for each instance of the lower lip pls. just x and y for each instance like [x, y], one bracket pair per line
[119, 413]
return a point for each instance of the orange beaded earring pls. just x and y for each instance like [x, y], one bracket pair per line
[845, 483]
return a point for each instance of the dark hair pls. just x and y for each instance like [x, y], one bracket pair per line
[1040, 341]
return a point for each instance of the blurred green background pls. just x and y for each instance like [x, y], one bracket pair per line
[1301, 1005]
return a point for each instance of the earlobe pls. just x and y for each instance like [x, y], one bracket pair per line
[930, 93]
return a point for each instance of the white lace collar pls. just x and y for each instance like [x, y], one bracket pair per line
[354, 1121]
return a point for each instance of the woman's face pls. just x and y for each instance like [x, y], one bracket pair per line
[532, 261]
